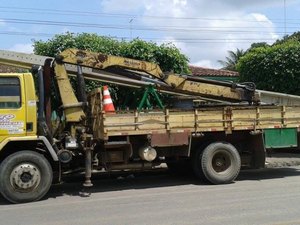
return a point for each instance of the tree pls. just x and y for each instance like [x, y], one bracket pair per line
[232, 59]
[257, 45]
[167, 56]
[273, 68]
[294, 37]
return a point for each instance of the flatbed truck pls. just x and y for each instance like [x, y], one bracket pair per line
[214, 141]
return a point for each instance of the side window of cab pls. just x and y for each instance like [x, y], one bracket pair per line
[10, 93]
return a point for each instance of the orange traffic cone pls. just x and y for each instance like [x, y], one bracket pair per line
[108, 105]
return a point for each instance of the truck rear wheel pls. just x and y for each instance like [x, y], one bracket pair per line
[219, 163]
[25, 176]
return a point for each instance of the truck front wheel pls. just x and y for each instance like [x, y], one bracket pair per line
[25, 176]
[219, 163]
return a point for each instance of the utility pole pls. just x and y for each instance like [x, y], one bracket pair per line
[284, 13]
[130, 22]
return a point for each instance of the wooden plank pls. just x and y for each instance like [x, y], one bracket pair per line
[211, 119]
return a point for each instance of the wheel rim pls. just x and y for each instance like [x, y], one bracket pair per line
[221, 161]
[25, 177]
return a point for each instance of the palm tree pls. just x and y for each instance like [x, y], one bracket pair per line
[232, 59]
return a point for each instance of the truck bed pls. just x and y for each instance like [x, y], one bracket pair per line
[206, 119]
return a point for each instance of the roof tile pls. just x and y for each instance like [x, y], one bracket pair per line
[201, 71]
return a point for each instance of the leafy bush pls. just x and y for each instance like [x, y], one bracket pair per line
[273, 68]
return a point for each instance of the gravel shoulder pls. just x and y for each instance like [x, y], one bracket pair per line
[279, 160]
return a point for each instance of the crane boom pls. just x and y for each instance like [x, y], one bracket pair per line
[135, 73]
[186, 84]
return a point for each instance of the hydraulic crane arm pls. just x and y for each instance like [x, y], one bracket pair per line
[128, 72]
[103, 61]
[185, 84]
[135, 73]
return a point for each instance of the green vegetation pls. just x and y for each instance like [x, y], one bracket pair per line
[273, 68]
[167, 56]
[232, 59]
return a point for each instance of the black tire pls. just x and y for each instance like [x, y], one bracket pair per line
[25, 176]
[219, 163]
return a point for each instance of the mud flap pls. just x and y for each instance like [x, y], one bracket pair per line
[259, 151]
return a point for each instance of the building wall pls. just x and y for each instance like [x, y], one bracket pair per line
[11, 69]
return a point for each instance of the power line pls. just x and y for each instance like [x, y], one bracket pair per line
[140, 28]
[26, 34]
[186, 40]
[90, 13]
[245, 30]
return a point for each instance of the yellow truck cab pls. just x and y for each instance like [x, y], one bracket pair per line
[29, 172]
[18, 118]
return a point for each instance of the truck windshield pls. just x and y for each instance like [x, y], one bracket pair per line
[10, 96]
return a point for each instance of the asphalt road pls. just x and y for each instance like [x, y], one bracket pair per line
[268, 196]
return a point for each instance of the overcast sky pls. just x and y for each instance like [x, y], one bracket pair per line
[204, 30]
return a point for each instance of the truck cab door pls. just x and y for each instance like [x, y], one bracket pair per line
[12, 106]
